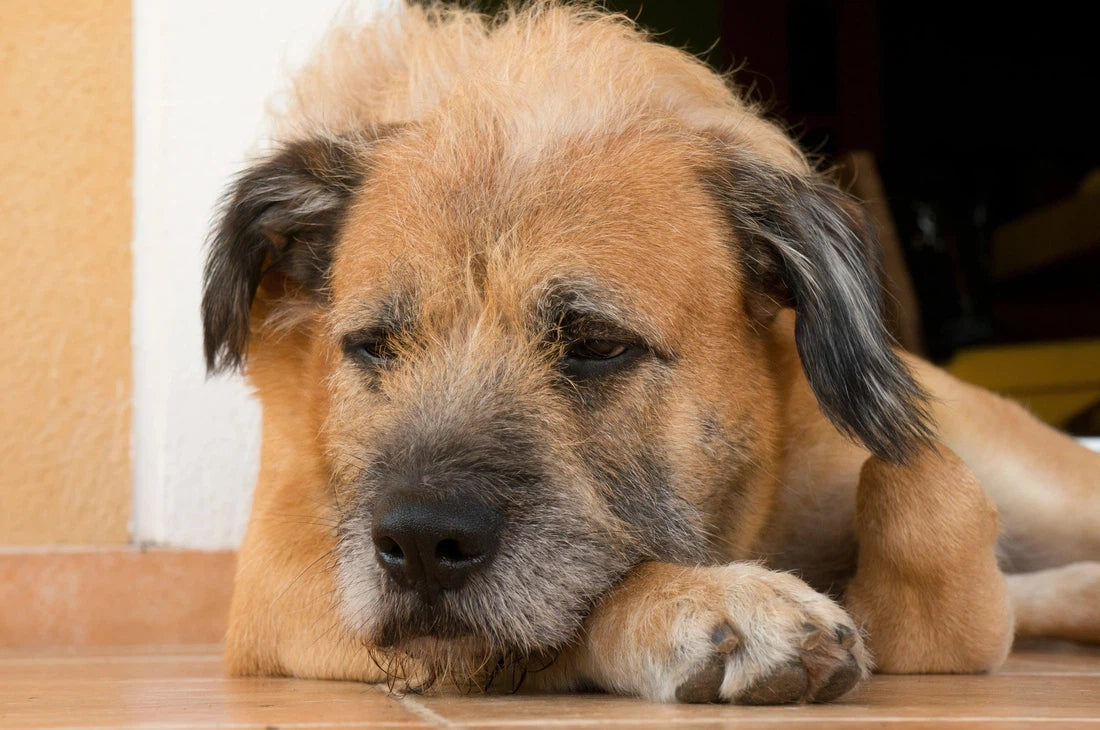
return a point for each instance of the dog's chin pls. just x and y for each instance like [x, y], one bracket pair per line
[421, 650]
[422, 644]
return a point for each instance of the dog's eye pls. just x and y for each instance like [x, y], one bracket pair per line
[597, 350]
[588, 359]
[375, 349]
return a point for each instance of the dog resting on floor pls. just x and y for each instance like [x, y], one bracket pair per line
[574, 376]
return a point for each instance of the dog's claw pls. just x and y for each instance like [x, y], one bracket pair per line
[840, 682]
[726, 638]
[845, 637]
[785, 686]
[813, 637]
[703, 686]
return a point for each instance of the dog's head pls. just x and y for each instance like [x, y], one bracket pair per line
[527, 273]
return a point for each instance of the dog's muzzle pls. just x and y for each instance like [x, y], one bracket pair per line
[431, 544]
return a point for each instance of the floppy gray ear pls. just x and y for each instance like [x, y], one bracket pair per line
[808, 245]
[281, 215]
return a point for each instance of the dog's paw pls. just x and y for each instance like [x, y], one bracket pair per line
[735, 633]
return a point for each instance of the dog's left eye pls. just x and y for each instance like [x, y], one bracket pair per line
[588, 359]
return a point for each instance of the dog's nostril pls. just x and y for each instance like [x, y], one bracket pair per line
[451, 552]
[390, 550]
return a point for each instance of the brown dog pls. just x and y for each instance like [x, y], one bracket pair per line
[569, 361]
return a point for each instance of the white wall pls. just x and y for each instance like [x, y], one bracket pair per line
[203, 71]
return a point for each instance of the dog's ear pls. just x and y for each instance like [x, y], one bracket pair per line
[279, 219]
[807, 245]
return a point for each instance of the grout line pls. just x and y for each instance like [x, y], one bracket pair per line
[418, 708]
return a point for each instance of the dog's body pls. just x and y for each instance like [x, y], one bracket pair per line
[556, 340]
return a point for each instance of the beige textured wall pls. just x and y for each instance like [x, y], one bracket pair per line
[65, 212]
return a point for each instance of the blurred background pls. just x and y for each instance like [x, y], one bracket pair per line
[970, 133]
[970, 130]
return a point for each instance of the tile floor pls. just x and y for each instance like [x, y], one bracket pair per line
[169, 687]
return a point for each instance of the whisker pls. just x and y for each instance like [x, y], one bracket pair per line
[326, 555]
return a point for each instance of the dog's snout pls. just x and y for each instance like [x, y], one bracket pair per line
[431, 544]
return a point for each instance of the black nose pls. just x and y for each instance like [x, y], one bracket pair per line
[431, 544]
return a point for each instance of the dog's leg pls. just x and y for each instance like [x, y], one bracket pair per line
[733, 633]
[1059, 602]
[928, 590]
[283, 621]
[1046, 486]
[1047, 491]
[284, 618]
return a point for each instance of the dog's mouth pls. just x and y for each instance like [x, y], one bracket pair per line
[481, 636]
[485, 618]
[422, 581]
[429, 621]
[504, 597]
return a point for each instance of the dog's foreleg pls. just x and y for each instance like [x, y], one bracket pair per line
[731, 633]
[928, 590]
[285, 619]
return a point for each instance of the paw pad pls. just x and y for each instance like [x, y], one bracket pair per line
[704, 684]
[843, 679]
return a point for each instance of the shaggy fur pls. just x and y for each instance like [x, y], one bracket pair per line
[455, 209]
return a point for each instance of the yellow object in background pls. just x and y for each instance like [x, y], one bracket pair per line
[1054, 380]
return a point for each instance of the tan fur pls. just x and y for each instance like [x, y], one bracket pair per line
[951, 614]
[1058, 602]
[564, 142]
[660, 621]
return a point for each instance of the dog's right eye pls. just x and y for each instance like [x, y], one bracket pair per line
[374, 349]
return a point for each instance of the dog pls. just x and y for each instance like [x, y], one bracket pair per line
[574, 377]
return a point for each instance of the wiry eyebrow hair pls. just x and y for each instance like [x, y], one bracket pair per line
[595, 308]
[394, 313]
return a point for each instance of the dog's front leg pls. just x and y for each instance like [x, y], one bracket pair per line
[927, 589]
[732, 633]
